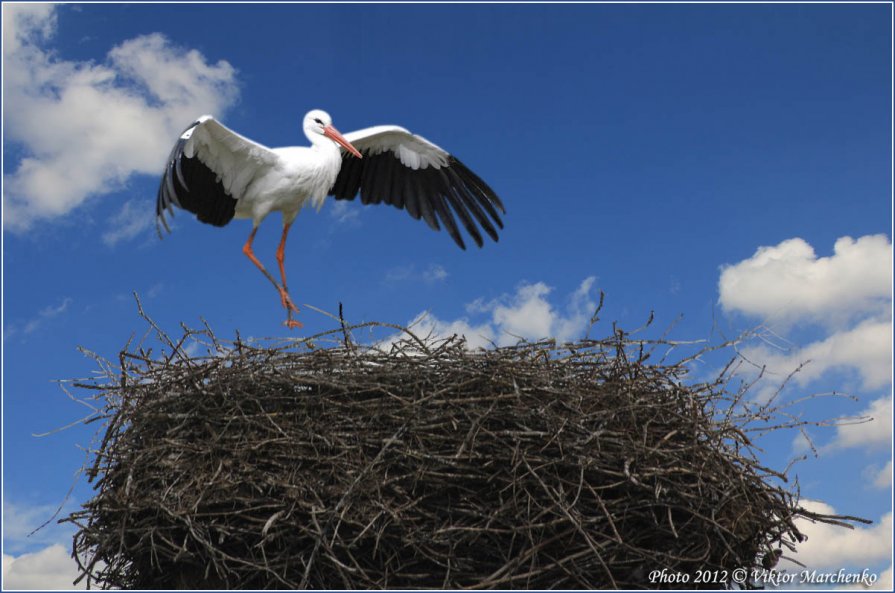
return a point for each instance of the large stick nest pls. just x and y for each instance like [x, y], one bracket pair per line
[422, 464]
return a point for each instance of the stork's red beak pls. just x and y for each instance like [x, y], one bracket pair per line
[331, 132]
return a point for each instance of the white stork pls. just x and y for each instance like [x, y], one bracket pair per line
[219, 175]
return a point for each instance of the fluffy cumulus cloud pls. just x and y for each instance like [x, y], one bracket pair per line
[37, 549]
[52, 568]
[848, 296]
[879, 477]
[788, 283]
[83, 127]
[526, 314]
[874, 434]
[865, 350]
[829, 547]
[479, 335]
[130, 220]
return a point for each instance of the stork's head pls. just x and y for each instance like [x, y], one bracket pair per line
[319, 125]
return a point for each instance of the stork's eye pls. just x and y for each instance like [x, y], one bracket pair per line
[317, 120]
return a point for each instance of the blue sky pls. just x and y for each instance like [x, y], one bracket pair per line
[648, 151]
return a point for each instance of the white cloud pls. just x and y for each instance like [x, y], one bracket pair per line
[477, 336]
[788, 283]
[155, 290]
[830, 547]
[45, 314]
[865, 349]
[131, 220]
[86, 127]
[50, 568]
[435, 273]
[879, 477]
[884, 477]
[344, 213]
[885, 580]
[527, 314]
[19, 521]
[848, 296]
[27, 526]
[579, 311]
[25, 24]
[398, 274]
[871, 434]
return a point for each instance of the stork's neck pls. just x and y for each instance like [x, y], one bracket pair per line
[326, 148]
[320, 142]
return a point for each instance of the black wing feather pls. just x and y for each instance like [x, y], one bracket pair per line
[355, 177]
[411, 198]
[456, 202]
[189, 184]
[368, 170]
[348, 180]
[433, 194]
[425, 201]
[440, 206]
[394, 192]
[477, 182]
[380, 182]
[341, 181]
[483, 194]
[178, 169]
[471, 204]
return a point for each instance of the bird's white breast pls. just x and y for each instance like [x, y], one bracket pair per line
[302, 175]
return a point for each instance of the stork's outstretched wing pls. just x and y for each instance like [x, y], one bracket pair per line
[208, 170]
[409, 172]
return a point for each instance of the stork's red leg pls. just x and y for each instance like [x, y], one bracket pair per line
[247, 249]
[284, 296]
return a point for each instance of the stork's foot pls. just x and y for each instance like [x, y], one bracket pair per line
[287, 302]
[290, 307]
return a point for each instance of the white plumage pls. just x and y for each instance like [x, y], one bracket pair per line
[413, 151]
[219, 175]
